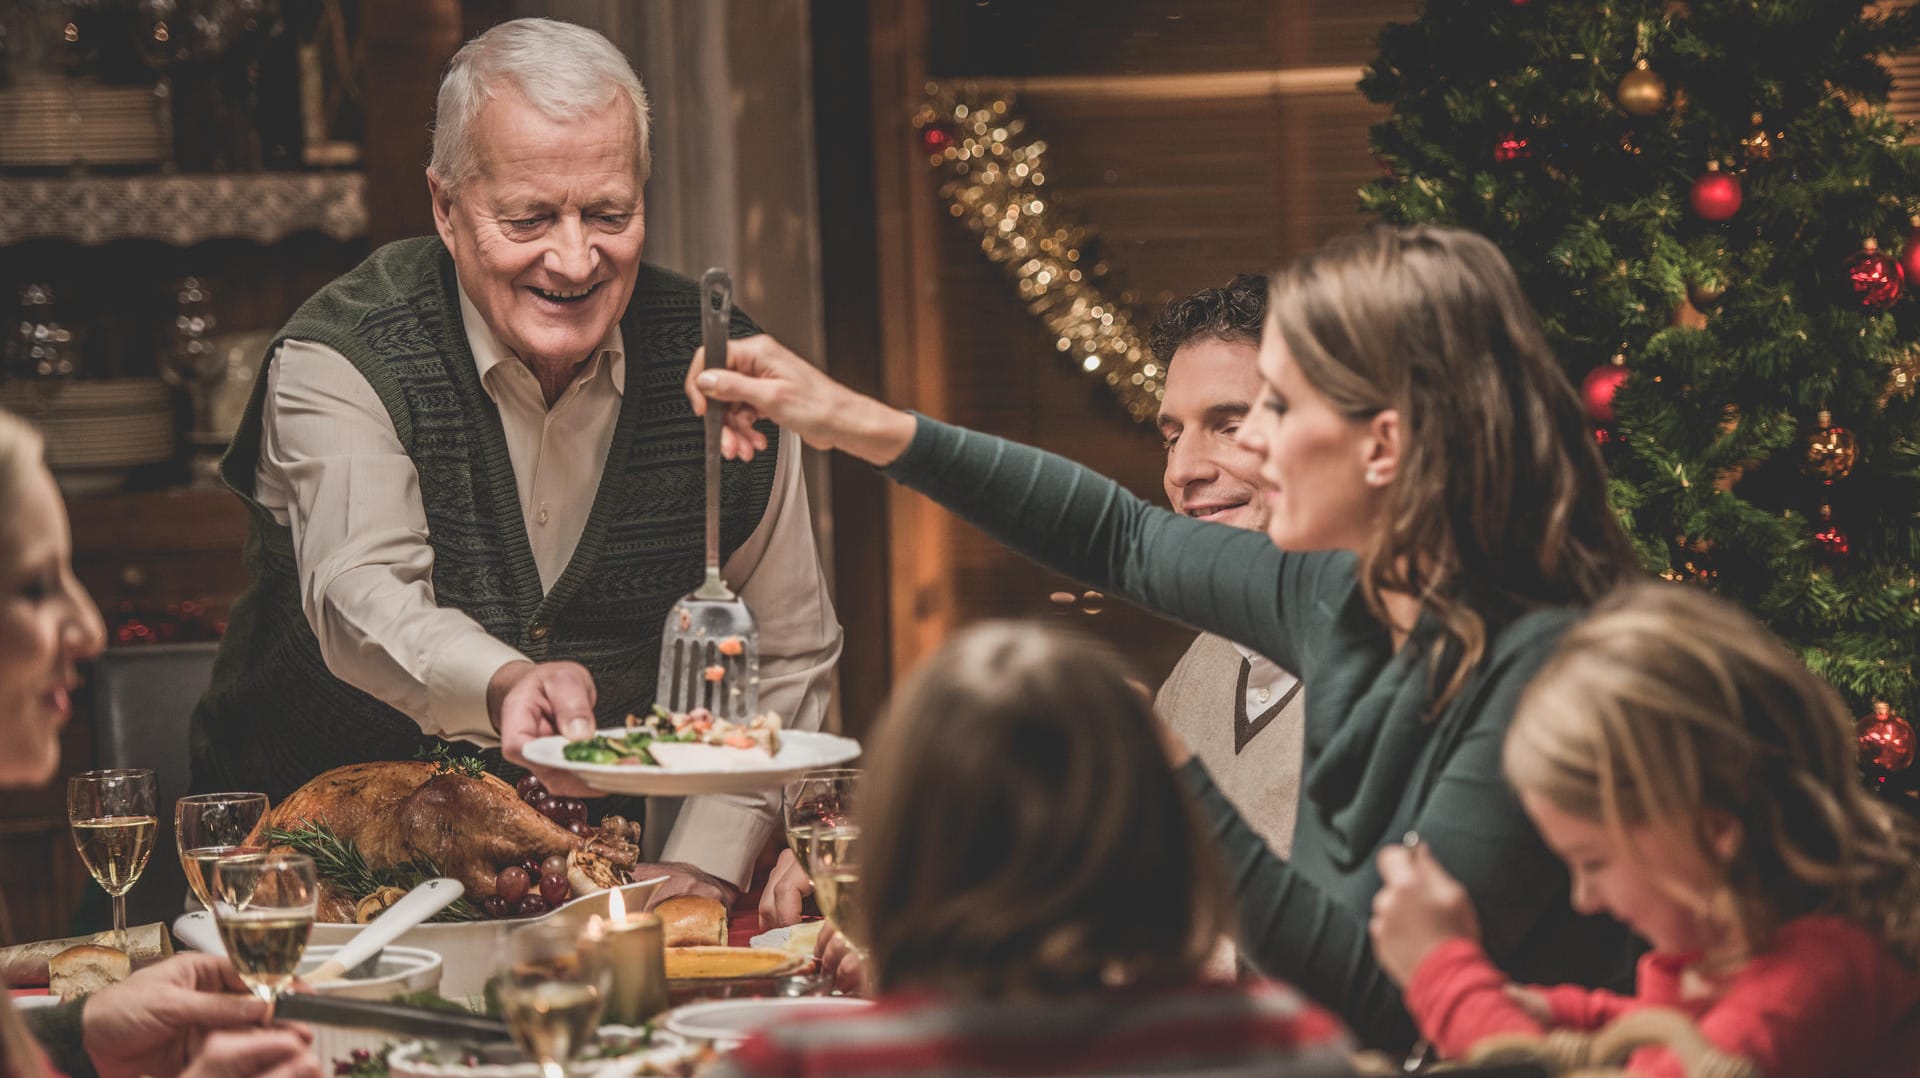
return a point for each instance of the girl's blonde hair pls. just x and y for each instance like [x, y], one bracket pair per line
[1024, 834]
[1668, 704]
[1500, 502]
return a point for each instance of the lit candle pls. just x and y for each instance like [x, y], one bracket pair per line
[634, 949]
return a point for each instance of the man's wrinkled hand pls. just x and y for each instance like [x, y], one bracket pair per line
[527, 700]
[686, 879]
[840, 964]
[149, 1023]
[782, 900]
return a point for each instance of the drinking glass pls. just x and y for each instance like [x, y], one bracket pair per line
[264, 905]
[836, 880]
[209, 827]
[818, 797]
[113, 821]
[552, 985]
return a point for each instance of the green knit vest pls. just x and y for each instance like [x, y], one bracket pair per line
[274, 715]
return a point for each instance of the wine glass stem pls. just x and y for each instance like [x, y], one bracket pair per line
[120, 923]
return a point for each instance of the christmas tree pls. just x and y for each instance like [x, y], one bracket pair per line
[1713, 212]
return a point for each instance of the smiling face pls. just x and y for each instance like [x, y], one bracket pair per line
[47, 625]
[1322, 472]
[1210, 388]
[1650, 879]
[546, 236]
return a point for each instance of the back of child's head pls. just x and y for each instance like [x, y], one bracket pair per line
[1666, 705]
[1023, 832]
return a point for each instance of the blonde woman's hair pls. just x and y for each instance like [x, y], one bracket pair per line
[1499, 505]
[1024, 833]
[1668, 704]
[20, 449]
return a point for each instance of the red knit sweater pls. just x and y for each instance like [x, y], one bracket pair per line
[1824, 999]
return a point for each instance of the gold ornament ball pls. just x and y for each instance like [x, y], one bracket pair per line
[1641, 92]
[1902, 379]
[1831, 451]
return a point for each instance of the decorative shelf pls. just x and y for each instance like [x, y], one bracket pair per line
[183, 209]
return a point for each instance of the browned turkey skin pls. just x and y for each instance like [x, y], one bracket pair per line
[397, 811]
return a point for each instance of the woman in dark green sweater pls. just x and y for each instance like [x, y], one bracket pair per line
[1438, 518]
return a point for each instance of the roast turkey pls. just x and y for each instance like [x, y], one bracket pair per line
[469, 827]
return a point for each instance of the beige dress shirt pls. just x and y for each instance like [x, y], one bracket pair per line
[333, 470]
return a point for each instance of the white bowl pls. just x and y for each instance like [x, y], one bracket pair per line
[668, 1054]
[727, 1022]
[401, 971]
[466, 950]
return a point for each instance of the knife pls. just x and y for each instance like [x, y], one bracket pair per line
[400, 1018]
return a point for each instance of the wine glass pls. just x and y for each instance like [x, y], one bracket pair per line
[836, 879]
[264, 906]
[209, 827]
[818, 797]
[552, 985]
[113, 821]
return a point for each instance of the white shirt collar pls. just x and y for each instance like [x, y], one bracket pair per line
[489, 353]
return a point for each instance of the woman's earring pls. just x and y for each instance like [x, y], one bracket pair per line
[1374, 476]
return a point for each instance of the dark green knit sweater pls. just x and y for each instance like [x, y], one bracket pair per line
[275, 716]
[1376, 767]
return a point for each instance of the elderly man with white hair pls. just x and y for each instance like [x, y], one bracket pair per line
[475, 484]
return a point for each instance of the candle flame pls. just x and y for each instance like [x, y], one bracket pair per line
[617, 908]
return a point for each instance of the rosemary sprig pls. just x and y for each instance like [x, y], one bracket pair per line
[444, 761]
[340, 863]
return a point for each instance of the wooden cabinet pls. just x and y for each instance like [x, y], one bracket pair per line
[159, 547]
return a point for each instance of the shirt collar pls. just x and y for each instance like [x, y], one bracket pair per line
[489, 353]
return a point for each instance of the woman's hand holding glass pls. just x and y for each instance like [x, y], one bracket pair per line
[112, 815]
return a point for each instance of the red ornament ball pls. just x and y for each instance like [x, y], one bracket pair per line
[935, 139]
[1597, 390]
[1876, 279]
[1910, 258]
[1511, 148]
[1886, 742]
[1716, 194]
[1832, 541]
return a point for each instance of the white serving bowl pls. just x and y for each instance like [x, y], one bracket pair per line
[400, 971]
[668, 1053]
[466, 949]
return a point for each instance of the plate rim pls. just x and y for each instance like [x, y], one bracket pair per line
[653, 779]
[668, 1020]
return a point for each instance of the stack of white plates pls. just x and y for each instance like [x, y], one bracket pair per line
[62, 121]
[97, 432]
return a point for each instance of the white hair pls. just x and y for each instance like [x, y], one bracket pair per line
[563, 70]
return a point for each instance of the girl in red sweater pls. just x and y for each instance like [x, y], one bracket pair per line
[1699, 783]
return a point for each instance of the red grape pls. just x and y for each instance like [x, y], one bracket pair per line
[529, 787]
[575, 808]
[580, 827]
[532, 867]
[496, 907]
[532, 906]
[512, 883]
[553, 889]
[554, 866]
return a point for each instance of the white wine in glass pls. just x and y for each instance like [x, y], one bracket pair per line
[112, 816]
[552, 987]
[836, 879]
[209, 827]
[818, 797]
[264, 907]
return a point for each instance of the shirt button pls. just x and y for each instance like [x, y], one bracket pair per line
[539, 632]
[542, 518]
[1262, 694]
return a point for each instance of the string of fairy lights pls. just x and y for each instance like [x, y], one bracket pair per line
[995, 180]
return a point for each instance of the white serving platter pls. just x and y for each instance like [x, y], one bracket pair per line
[800, 751]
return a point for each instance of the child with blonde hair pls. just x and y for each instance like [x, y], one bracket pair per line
[1699, 783]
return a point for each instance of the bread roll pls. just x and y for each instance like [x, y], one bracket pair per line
[693, 921]
[79, 971]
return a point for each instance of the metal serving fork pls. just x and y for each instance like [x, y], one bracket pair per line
[710, 648]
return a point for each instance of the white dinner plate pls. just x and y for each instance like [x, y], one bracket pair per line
[800, 751]
[730, 1021]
